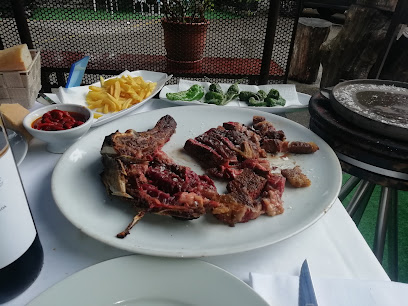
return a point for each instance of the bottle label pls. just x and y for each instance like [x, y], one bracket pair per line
[17, 230]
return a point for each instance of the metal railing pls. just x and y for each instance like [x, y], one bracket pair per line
[251, 40]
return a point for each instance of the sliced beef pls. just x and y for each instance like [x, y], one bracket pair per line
[266, 129]
[272, 145]
[217, 138]
[233, 152]
[221, 150]
[247, 183]
[274, 141]
[271, 139]
[232, 210]
[276, 182]
[136, 169]
[250, 195]
[246, 141]
[207, 155]
[260, 166]
[240, 205]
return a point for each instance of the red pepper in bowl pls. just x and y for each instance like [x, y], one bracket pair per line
[57, 120]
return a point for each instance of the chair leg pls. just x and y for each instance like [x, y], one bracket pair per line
[392, 237]
[358, 214]
[61, 78]
[380, 231]
[360, 198]
[348, 187]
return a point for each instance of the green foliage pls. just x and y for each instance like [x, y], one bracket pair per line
[187, 11]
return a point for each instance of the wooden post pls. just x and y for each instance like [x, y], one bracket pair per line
[385, 5]
[396, 64]
[305, 62]
[354, 51]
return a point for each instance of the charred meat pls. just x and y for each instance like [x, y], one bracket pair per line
[250, 195]
[139, 146]
[274, 141]
[222, 150]
[136, 169]
[233, 152]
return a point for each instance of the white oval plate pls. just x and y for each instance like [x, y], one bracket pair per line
[81, 196]
[143, 280]
[293, 104]
[77, 95]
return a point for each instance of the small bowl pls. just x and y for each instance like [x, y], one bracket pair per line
[59, 141]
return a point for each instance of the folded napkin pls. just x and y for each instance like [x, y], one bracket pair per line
[76, 95]
[282, 289]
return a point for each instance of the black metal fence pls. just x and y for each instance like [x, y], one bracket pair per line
[249, 40]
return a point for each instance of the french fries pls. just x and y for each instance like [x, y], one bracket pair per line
[117, 94]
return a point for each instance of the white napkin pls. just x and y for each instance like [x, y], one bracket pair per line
[282, 289]
[76, 95]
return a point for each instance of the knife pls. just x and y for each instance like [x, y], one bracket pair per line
[45, 100]
[307, 295]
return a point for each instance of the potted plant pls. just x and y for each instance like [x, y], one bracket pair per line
[185, 31]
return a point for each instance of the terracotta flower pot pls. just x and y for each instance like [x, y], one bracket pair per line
[184, 42]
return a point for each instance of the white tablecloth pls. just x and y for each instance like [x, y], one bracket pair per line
[333, 246]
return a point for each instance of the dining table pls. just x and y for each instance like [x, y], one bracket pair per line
[333, 245]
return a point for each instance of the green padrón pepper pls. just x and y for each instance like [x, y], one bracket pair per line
[213, 97]
[255, 102]
[215, 87]
[258, 99]
[273, 102]
[261, 98]
[274, 98]
[245, 95]
[195, 92]
[273, 93]
[261, 94]
[232, 93]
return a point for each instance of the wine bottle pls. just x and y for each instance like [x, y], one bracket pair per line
[21, 253]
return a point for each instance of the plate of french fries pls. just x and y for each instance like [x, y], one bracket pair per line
[115, 97]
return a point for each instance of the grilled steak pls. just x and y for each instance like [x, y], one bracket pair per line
[251, 194]
[139, 146]
[221, 150]
[233, 152]
[137, 170]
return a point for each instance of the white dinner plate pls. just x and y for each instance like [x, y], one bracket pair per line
[18, 145]
[77, 95]
[295, 101]
[81, 196]
[150, 281]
